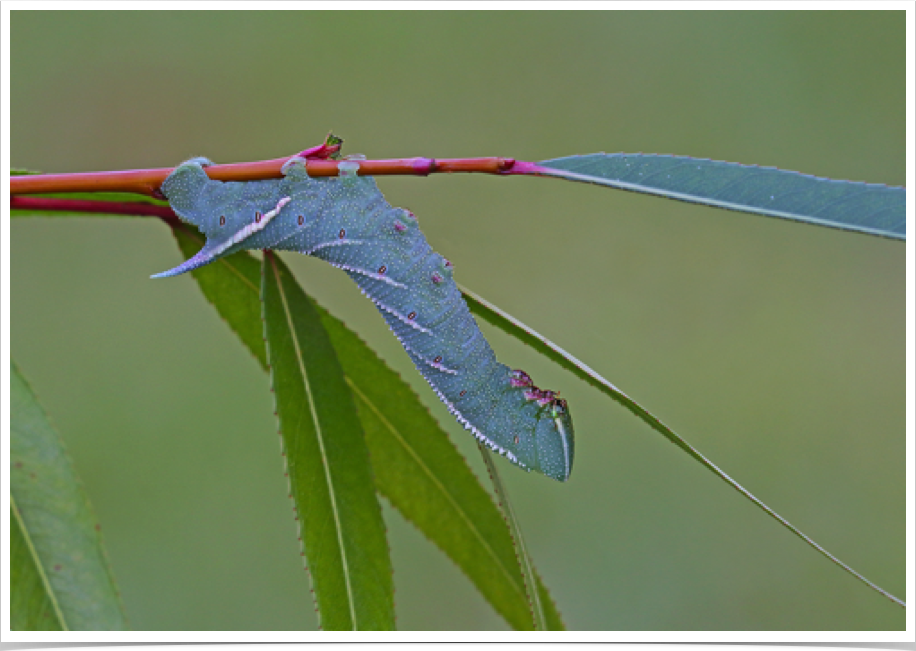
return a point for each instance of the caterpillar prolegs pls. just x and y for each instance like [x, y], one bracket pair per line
[346, 221]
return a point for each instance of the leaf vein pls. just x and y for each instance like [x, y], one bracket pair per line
[27, 536]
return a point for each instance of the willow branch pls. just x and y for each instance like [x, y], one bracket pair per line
[148, 181]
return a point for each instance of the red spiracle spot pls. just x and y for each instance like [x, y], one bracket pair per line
[516, 439]
[342, 234]
[222, 220]
[410, 214]
[301, 220]
[437, 278]
[448, 265]
[438, 359]
[462, 393]
[382, 270]
[412, 316]
[257, 218]
[399, 227]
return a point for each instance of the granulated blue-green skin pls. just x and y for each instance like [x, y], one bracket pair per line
[346, 221]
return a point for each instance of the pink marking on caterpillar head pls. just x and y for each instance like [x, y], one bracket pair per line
[409, 214]
[518, 378]
[448, 265]
[533, 394]
[547, 397]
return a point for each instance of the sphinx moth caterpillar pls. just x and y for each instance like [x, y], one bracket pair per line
[346, 221]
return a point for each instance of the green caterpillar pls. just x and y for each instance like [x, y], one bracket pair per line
[346, 221]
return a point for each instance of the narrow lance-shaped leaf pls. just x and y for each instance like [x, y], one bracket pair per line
[509, 324]
[60, 578]
[327, 462]
[416, 466]
[849, 205]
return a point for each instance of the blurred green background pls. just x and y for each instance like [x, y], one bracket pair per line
[776, 348]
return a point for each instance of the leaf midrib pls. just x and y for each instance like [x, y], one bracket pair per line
[27, 536]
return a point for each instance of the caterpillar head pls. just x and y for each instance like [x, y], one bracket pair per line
[553, 433]
[562, 421]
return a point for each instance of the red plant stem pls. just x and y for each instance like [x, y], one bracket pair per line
[93, 206]
[148, 181]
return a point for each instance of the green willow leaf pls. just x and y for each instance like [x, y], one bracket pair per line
[869, 208]
[509, 324]
[60, 578]
[327, 462]
[416, 465]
